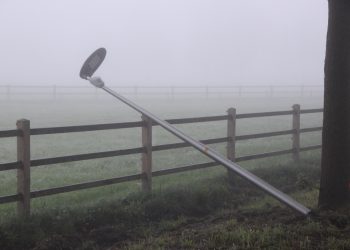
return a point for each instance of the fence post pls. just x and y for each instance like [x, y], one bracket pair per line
[54, 92]
[147, 155]
[240, 91]
[172, 92]
[23, 173]
[8, 92]
[302, 90]
[231, 135]
[271, 91]
[296, 133]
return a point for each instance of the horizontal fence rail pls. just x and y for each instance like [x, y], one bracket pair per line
[9, 198]
[263, 135]
[23, 165]
[85, 185]
[9, 133]
[83, 157]
[84, 128]
[207, 91]
[264, 114]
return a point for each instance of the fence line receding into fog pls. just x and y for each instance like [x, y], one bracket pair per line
[63, 91]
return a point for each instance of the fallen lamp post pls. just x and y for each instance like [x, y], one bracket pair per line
[95, 60]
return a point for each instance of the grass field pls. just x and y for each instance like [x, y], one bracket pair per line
[201, 209]
[107, 110]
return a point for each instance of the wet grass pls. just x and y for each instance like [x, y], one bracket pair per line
[212, 212]
[193, 210]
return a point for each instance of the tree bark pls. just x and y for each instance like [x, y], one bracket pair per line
[335, 165]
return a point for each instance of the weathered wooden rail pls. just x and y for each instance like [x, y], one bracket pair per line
[24, 162]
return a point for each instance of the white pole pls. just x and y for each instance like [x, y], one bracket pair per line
[97, 82]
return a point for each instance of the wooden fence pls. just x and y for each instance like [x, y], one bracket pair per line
[24, 162]
[9, 92]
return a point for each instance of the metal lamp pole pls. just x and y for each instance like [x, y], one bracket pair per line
[96, 59]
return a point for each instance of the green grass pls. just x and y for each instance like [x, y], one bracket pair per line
[178, 201]
[207, 212]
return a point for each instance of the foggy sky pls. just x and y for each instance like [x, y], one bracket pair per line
[164, 42]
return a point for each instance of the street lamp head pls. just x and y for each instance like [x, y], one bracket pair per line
[92, 63]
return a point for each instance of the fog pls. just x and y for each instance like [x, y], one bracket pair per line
[182, 42]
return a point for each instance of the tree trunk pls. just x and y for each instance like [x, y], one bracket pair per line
[335, 174]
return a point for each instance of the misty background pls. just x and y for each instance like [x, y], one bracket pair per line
[158, 42]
